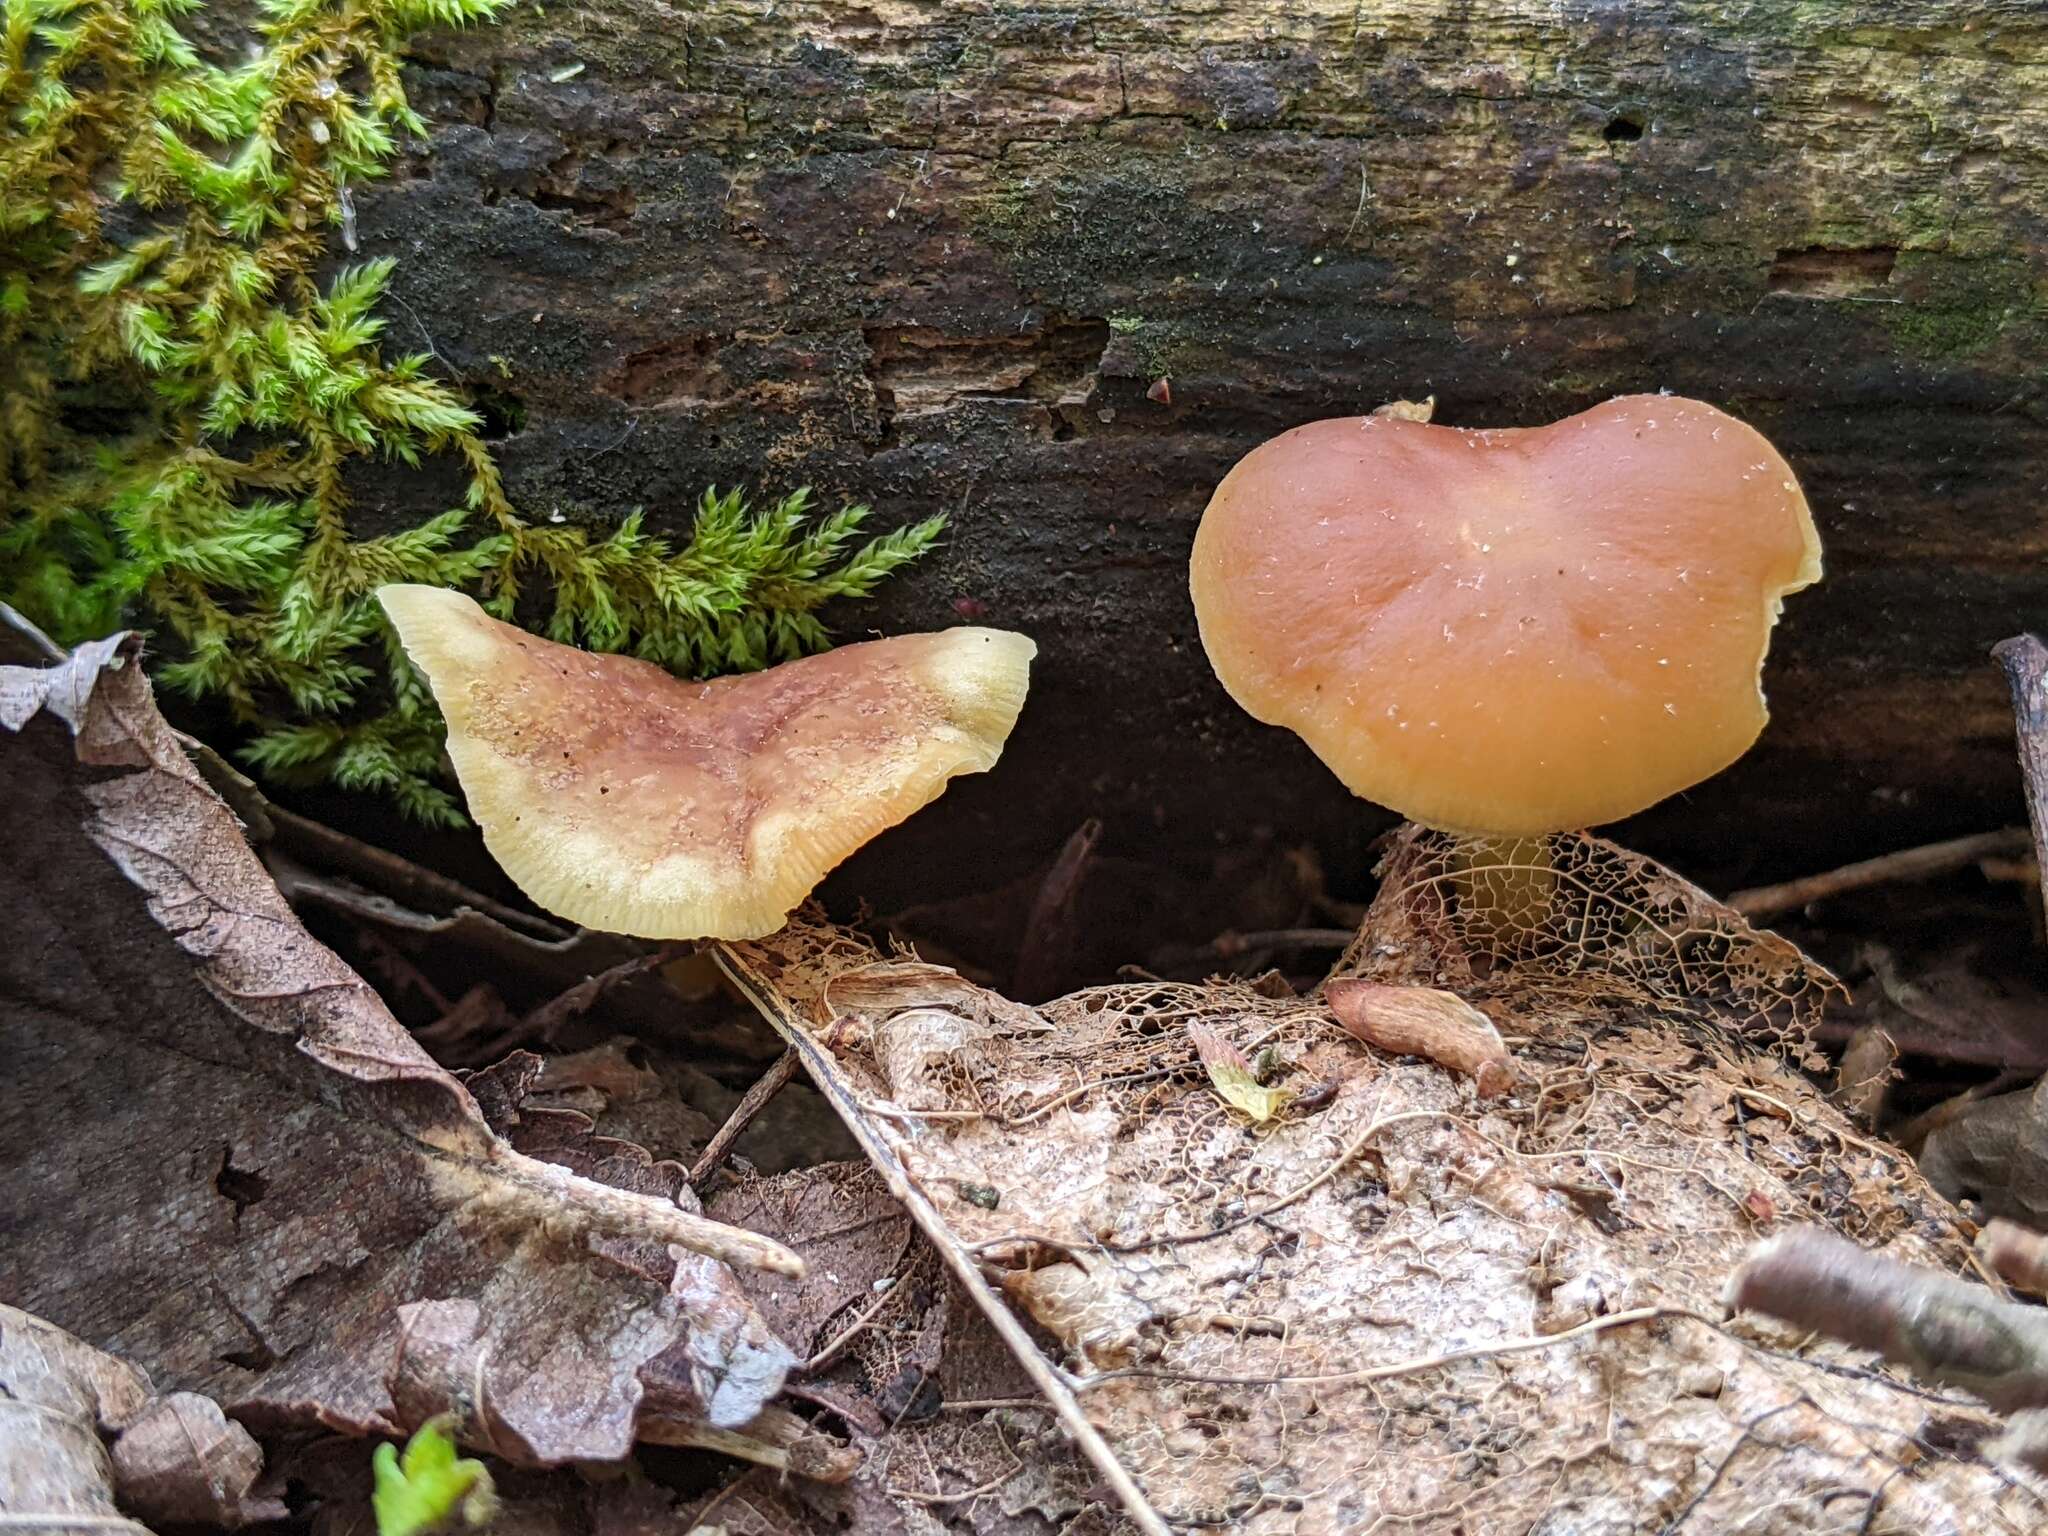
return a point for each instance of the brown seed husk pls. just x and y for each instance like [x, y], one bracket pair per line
[1422, 1021]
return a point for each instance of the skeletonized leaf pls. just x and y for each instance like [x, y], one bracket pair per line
[1257, 1325]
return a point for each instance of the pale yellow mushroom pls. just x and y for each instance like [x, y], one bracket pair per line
[620, 797]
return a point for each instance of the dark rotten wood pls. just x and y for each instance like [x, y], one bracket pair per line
[934, 256]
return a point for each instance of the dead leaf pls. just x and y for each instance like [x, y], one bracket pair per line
[1427, 1022]
[911, 1352]
[1332, 1319]
[1995, 1151]
[2018, 1255]
[1863, 1077]
[175, 1460]
[1965, 1003]
[234, 1168]
[182, 1461]
[1408, 410]
[57, 1396]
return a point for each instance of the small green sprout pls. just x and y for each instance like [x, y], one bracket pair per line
[428, 1487]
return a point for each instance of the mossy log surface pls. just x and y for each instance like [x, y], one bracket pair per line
[935, 255]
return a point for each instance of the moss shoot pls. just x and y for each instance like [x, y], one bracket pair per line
[181, 396]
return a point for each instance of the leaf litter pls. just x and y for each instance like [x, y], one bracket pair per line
[173, 1459]
[1399, 1305]
[1391, 1304]
[229, 1165]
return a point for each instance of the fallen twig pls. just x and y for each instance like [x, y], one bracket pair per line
[541, 1024]
[1233, 948]
[775, 1438]
[1045, 958]
[756, 1098]
[547, 1193]
[1410, 1367]
[1942, 1328]
[1923, 863]
[1049, 1380]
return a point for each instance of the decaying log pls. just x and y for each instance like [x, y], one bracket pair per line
[936, 257]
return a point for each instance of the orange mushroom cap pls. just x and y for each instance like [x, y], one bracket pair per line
[1509, 632]
[623, 798]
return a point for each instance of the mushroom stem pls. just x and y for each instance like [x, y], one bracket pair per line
[1504, 886]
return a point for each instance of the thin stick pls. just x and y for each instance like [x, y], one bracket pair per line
[381, 867]
[1409, 1367]
[1923, 863]
[2025, 660]
[765, 1087]
[550, 1016]
[51, 651]
[546, 1192]
[824, 1073]
[846, 1335]
[1235, 946]
[1046, 955]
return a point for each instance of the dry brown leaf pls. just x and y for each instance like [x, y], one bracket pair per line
[1863, 1077]
[181, 1461]
[1425, 1021]
[1408, 410]
[2016, 1254]
[233, 1167]
[1962, 1003]
[1995, 1151]
[1406, 1307]
[173, 1460]
[911, 1351]
[57, 1396]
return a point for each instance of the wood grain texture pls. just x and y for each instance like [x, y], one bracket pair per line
[934, 256]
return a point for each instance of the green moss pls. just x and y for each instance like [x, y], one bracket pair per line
[180, 400]
[1952, 308]
[1944, 333]
[1157, 349]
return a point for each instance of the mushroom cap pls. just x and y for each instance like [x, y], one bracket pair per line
[623, 798]
[1510, 632]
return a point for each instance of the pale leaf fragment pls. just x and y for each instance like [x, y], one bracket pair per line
[1231, 1075]
[1423, 410]
[1423, 1021]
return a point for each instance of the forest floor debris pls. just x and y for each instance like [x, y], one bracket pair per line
[234, 1164]
[1380, 1301]
[1250, 1319]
